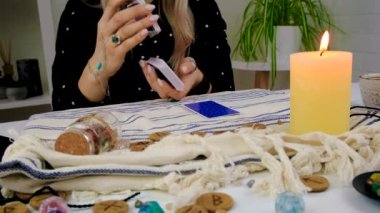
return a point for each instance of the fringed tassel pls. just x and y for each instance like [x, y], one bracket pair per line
[211, 176]
[290, 176]
[274, 184]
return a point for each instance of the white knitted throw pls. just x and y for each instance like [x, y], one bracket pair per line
[169, 165]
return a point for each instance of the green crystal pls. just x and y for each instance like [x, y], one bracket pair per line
[115, 39]
[151, 207]
[375, 188]
[99, 67]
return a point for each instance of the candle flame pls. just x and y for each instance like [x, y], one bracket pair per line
[324, 42]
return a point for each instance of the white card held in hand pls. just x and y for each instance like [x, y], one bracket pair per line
[153, 30]
[169, 74]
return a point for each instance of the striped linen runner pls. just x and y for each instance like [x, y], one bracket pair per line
[138, 120]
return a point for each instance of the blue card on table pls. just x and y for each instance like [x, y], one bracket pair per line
[210, 109]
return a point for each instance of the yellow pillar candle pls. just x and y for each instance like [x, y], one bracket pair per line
[320, 91]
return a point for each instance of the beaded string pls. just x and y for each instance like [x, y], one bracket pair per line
[90, 205]
[95, 73]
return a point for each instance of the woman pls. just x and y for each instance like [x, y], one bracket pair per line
[101, 53]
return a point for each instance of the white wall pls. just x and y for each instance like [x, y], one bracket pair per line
[361, 22]
[232, 11]
[49, 15]
[359, 19]
[19, 22]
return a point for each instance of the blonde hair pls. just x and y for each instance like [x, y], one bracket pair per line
[181, 20]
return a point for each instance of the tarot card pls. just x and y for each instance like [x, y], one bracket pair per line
[167, 72]
[210, 109]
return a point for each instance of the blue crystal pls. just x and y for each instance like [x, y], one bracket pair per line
[288, 202]
[151, 207]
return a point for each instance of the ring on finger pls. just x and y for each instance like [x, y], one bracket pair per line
[115, 39]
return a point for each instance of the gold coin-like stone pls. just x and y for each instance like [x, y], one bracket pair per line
[219, 132]
[139, 146]
[16, 207]
[157, 136]
[259, 126]
[111, 206]
[316, 183]
[213, 201]
[201, 134]
[36, 201]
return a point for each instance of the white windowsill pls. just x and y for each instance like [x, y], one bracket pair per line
[33, 101]
[258, 66]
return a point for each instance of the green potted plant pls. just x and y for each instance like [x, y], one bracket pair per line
[261, 18]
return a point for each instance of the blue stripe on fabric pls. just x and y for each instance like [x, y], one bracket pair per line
[36, 173]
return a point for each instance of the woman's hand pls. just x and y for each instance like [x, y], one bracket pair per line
[188, 73]
[130, 29]
[128, 26]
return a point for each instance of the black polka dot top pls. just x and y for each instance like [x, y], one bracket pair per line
[75, 44]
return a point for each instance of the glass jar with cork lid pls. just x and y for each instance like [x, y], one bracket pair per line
[90, 135]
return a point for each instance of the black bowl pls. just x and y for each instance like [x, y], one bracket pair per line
[360, 184]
